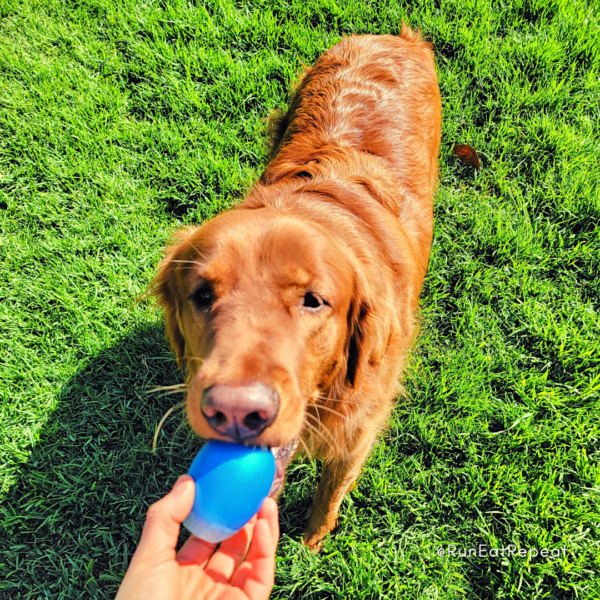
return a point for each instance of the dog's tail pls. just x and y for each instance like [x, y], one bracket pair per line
[412, 36]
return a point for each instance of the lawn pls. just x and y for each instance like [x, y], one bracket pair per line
[121, 121]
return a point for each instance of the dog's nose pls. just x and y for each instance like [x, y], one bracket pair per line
[240, 412]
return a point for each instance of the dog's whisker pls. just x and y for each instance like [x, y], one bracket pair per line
[195, 248]
[317, 419]
[161, 423]
[314, 430]
[317, 429]
[327, 439]
[193, 262]
[189, 261]
[326, 430]
[334, 442]
[341, 401]
[184, 268]
[335, 412]
[346, 400]
[305, 446]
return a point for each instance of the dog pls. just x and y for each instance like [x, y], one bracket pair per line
[293, 312]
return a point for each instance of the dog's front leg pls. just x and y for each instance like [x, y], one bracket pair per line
[337, 478]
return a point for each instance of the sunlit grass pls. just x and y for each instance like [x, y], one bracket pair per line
[120, 121]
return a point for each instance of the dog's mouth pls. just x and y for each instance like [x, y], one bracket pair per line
[283, 455]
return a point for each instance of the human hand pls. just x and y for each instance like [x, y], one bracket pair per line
[198, 572]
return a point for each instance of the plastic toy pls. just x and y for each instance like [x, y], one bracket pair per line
[231, 483]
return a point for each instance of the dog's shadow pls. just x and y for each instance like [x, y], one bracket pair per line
[74, 512]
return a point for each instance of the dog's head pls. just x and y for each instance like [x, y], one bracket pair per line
[267, 310]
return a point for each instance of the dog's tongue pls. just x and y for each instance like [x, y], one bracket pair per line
[282, 455]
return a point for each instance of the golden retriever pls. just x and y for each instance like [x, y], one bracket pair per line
[293, 313]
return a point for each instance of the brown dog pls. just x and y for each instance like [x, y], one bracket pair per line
[294, 312]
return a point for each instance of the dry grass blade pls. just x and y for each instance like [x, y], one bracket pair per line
[162, 421]
[166, 388]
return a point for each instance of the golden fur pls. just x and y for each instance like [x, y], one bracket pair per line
[343, 210]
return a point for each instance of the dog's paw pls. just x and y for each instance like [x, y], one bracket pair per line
[314, 542]
[314, 536]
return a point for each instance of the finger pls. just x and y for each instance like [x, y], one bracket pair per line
[164, 519]
[195, 551]
[231, 553]
[270, 511]
[257, 574]
[241, 575]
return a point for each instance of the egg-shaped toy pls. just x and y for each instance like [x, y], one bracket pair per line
[232, 482]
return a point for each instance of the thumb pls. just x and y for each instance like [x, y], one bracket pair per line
[164, 518]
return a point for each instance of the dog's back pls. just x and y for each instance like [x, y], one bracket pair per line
[368, 113]
[376, 94]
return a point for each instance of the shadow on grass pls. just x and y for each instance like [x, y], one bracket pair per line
[72, 519]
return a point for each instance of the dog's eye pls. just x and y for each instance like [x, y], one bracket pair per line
[312, 301]
[203, 297]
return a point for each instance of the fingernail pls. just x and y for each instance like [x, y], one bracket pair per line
[180, 484]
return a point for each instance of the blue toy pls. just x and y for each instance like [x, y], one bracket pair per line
[231, 483]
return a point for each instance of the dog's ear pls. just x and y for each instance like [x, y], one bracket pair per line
[164, 288]
[362, 333]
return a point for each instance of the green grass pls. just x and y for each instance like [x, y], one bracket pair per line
[120, 121]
